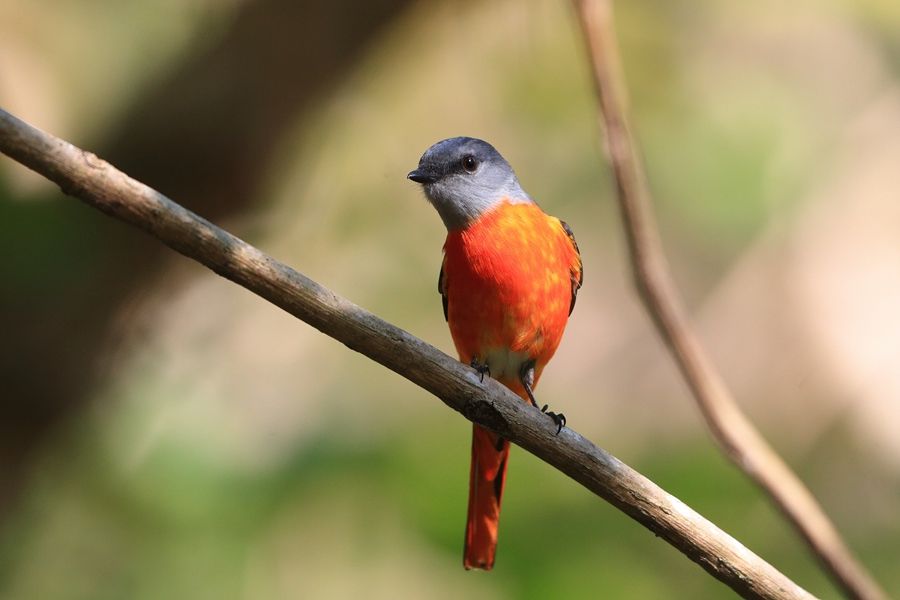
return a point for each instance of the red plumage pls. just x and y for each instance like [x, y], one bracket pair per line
[509, 280]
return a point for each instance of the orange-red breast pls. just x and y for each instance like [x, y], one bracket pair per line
[509, 280]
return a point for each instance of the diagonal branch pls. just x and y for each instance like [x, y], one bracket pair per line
[734, 433]
[96, 182]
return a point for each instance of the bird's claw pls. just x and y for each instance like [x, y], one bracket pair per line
[559, 419]
[480, 367]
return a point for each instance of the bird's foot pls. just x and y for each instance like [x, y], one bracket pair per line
[480, 367]
[526, 377]
[559, 419]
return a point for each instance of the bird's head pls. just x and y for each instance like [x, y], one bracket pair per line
[464, 177]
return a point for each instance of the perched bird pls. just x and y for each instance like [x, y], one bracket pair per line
[509, 280]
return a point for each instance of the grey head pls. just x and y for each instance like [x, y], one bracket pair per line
[464, 177]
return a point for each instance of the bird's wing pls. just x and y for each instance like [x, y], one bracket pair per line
[576, 269]
[442, 290]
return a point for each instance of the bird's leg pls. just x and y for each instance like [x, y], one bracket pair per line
[526, 377]
[480, 367]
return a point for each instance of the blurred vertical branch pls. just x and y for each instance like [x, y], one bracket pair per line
[736, 436]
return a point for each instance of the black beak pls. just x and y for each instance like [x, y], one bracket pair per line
[421, 177]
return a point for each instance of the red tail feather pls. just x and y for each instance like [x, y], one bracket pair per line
[486, 479]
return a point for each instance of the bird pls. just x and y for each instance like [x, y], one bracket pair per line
[508, 281]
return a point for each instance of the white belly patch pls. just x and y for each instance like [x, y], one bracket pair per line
[505, 364]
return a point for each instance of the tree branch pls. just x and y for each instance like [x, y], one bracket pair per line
[736, 436]
[96, 182]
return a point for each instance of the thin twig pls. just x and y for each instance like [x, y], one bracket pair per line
[99, 184]
[731, 429]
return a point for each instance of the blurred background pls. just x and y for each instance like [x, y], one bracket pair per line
[166, 434]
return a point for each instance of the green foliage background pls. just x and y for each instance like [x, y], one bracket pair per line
[231, 452]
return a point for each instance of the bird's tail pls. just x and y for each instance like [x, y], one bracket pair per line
[486, 479]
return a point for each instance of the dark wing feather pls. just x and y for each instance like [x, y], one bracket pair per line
[441, 289]
[576, 275]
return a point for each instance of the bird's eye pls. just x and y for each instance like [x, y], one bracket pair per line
[469, 164]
